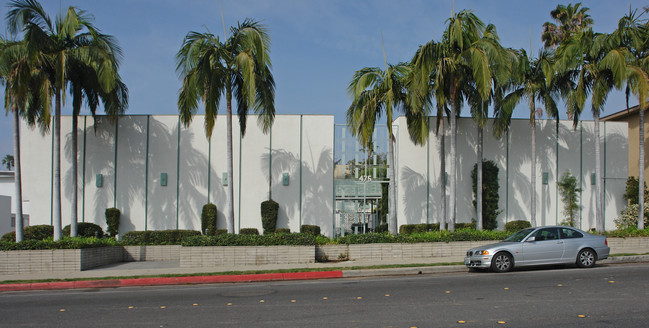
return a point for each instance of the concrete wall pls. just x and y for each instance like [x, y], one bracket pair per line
[418, 170]
[5, 215]
[132, 157]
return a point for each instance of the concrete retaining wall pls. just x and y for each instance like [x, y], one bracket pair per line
[151, 253]
[368, 252]
[212, 256]
[57, 260]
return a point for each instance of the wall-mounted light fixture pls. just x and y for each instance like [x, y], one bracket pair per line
[163, 179]
[545, 178]
[285, 179]
[99, 180]
[224, 179]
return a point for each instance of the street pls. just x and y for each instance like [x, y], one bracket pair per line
[604, 296]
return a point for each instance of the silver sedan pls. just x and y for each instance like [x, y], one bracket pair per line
[540, 246]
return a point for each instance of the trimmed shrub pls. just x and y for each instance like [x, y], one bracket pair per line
[112, 221]
[463, 225]
[272, 239]
[513, 226]
[85, 229]
[282, 230]
[157, 237]
[408, 229]
[64, 243]
[208, 219]
[269, 210]
[490, 195]
[381, 228]
[249, 231]
[310, 229]
[36, 232]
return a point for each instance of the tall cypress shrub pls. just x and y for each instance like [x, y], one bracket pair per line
[112, 221]
[208, 219]
[490, 196]
[269, 210]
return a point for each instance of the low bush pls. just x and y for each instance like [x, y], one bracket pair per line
[408, 229]
[463, 225]
[381, 228]
[271, 239]
[311, 229]
[64, 243]
[208, 219]
[513, 226]
[161, 237]
[85, 229]
[283, 230]
[35, 232]
[249, 231]
[628, 232]
[629, 217]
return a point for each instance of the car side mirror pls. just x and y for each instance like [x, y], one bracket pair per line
[530, 239]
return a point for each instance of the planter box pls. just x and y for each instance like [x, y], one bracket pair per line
[213, 256]
[151, 253]
[57, 260]
[369, 252]
[633, 245]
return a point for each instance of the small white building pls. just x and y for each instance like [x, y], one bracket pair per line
[8, 214]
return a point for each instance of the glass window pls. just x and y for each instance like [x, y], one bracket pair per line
[567, 233]
[546, 234]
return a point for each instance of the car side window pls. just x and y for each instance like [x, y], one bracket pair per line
[569, 233]
[546, 234]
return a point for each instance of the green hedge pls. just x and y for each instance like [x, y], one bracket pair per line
[208, 219]
[408, 229]
[269, 210]
[311, 229]
[112, 221]
[249, 231]
[283, 230]
[513, 226]
[64, 243]
[36, 232]
[272, 239]
[85, 229]
[162, 237]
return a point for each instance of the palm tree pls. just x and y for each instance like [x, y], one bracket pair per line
[534, 82]
[571, 19]
[72, 38]
[461, 58]
[8, 162]
[27, 95]
[375, 93]
[632, 34]
[239, 67]
[596, 69]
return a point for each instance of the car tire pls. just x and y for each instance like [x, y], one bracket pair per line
[586, 258]
[502, 262]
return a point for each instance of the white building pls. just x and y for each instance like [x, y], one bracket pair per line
[7, 206]
[160, 174]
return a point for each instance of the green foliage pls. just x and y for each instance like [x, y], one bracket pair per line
[64, 243]
[381, 228]
[490, 195]
[513, 226]
[271, 239]
[629, 217]
[632, 191]
[408, 229]
[85, 229]
[161, 237]
[208, 219]
[112, 221]
[570, 197]
[249, 231]
[464, 225]
[269, 210]
[36, 232]
[282, 230]
[310, 229]
[628, 232]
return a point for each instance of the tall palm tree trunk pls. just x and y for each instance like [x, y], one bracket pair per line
[533, 175]
[18, 197]
[392, 185]
[75, 196]
[442, 173]
[598, 176]
[452, 155]
[479, 182]
[57, 168]
[230, 220]
[641, 170]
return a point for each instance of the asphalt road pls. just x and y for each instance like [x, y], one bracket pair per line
[605, 296]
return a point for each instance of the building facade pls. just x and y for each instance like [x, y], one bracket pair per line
[160, 173]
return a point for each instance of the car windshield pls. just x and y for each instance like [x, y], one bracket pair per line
[518, 236]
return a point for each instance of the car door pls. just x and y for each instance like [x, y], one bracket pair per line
[546, 248]
[572, 241]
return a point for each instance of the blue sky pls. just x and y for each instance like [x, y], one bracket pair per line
[317, 45]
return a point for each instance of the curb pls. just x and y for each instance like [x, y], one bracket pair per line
[171, 281]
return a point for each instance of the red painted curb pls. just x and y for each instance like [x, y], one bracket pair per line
[171, 281]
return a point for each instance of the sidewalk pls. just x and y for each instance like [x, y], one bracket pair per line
[125, 270]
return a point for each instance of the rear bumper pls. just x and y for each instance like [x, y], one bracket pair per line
[603, 252]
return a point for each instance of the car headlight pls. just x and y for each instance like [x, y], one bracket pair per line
[482, 253]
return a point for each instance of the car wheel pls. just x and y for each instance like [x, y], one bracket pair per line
[502, 262]
[586, 258]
